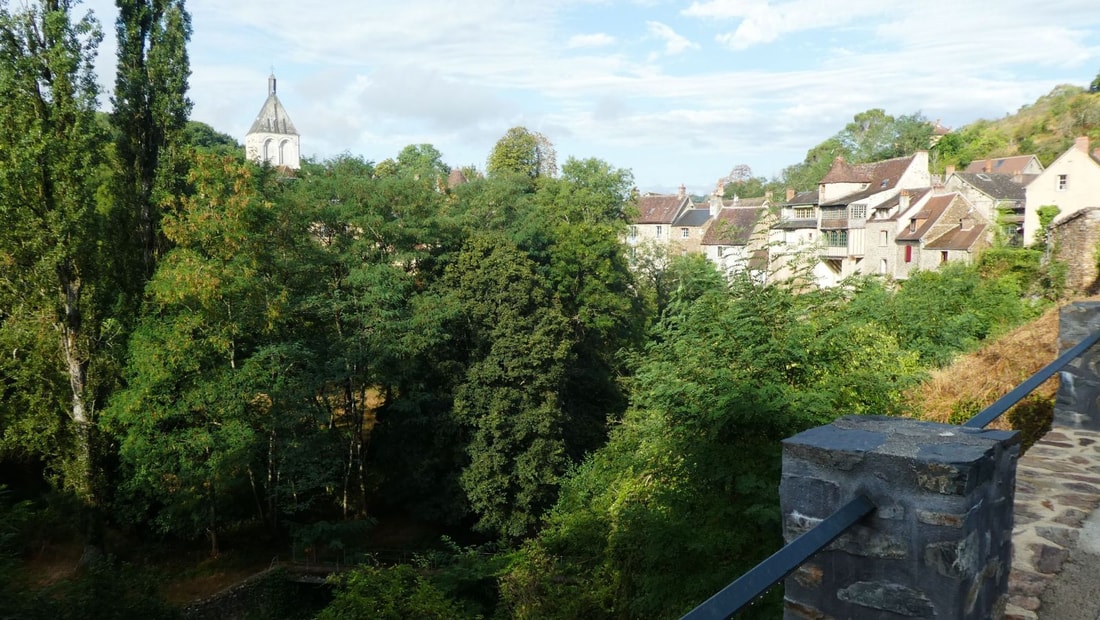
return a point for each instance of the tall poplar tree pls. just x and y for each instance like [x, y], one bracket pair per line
[150, 114]
[49, 148]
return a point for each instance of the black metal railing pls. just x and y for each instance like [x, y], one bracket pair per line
[737, 595]
[1004, 403]
[753, 584]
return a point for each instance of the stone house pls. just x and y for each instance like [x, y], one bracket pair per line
[1071, 183]
[656, 215]
[999, 198]
[737, 237]
[945, 228]
[848, 194]
[883, 226]
[272, 137]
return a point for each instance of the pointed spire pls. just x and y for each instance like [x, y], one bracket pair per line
[271, 84]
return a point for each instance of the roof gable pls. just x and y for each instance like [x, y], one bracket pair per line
[733, 226]
[658, 209]
[1002, 165]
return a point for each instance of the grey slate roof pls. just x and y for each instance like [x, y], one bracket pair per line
[693, 217]
[273, 117]
[996, 186]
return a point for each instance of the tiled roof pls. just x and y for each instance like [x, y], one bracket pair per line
[733, 226]
[958, 239]
[1002, 165]
[693, 217]
[915, 196]
[456, 178]
[657, 209]
[843, 172]
[996, 186]
[803, 198]
[931, 212]
[880, 176]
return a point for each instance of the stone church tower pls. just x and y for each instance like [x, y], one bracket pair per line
[273, 137]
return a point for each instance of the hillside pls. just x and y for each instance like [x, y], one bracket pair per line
[1045, 128]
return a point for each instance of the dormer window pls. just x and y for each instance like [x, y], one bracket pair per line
[912, 225]
[884, 183]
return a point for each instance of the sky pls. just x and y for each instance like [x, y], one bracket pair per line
[679, 92]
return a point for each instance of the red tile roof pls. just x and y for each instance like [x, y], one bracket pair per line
[958, 239]
[931, 212]
[659, 209]
[1001, 165]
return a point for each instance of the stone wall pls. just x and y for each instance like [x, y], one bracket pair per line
[1075, 241]
[1077, 404]
[939, 544]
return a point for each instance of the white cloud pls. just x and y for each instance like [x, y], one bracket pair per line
[674, 43]
[599, 39]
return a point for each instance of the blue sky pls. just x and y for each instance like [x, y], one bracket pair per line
[677, 91]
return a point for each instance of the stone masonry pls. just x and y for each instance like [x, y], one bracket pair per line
[939, 544]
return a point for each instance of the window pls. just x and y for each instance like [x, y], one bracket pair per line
[1063, 181]
[943, 256]
[633, 232]
[660, 232]
[882, 266]
[884, 238]
[721, 251]
[804, 213]
[836, 238]
[858, 212]
[912, 225]
[685, 233]
[908, 253]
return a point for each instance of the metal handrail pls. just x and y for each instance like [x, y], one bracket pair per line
[734, 597]
[1002, 404]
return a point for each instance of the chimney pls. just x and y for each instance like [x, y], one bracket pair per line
[1082, 144]
[1018, 177]
[715, 204]
[903, 201]
[683, 192]
[949, 171]
[790, 194]
[988, 167]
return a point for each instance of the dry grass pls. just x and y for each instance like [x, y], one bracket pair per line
[991, 372]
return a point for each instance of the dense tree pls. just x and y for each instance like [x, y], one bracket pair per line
[524, 152]
[150, 114]
[642, 528]
[50, 145]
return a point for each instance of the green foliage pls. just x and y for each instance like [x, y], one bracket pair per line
[523, 152]
[51, 258]
[1047, 215]
[941, 313]
[642, 528]
[393, 593]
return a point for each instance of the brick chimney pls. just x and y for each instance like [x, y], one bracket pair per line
[715, 204]
[903, 201]
[988, 167]
[683, 192]
[790, 194]
[1082, 144]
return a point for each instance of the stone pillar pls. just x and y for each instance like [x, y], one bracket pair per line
[1079, 389]
[939, 544]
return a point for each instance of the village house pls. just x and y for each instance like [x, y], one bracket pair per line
[946, 228]
[999, 198]
[886, 222]
[847, 195]
[736, 239]
[1071, 183]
